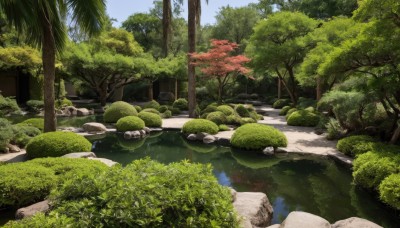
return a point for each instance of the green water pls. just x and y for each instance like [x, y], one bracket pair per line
[295, 182]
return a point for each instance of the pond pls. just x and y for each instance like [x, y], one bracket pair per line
[292, 182]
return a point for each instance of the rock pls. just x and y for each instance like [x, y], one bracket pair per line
[274, 226]
[255, 207]
[80, 155]
[135, 134]
[147, 130]
[13, 148]
[209, 139]
[200, 136]
[299, 219]
[71, 110]
[82, 112]
[192, 137]
[106, 161]
[29, 211]
[155, 129]
[268, 150]
[142, 133]
[127, 135]
[281, 150]
[355, 222]
[234, 194]
[71, 129]
[94, 127]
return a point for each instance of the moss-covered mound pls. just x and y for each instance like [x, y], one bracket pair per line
[257, 137]
[54, 144]
[117, 110]
[130, 123]
[226, 109]
[181, 104]
[389, 190]
[200, 125]
[217, 117]
[152, 104]
[284, 110]
[289, 112]
[152, 110]
[247, 120]
[303, 118]
[281, 103]
[34, 122]
[242, 111]
[351, 145]
[151, 119]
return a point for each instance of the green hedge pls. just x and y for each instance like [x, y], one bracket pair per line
[347, 145]
[284, 110]
[200, 125]
[117, 110]
[163, 108]
[181, 104]
[34, 122]
[281, 103]
[389, 190]
[175, 195]
[130, 123]
[54, 144]
[151, 119]
[152, 104]
[289, 112]
[226, 109]
[303, 118]
[242, 111]
[258, 136]
[217, 117]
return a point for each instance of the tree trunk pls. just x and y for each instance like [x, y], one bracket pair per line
[150, 91]
[192, 49]
[103, 94]
[293, 93]
[166, 23]
[48, 58]
[396, 134]
[279, 88]
[219, 91]
[176, 88]
[319, 89]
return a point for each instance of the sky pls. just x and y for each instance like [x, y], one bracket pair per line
[122, 9]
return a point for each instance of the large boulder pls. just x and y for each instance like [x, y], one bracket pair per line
[355, 222]
[253, 207]
[82, 112]
[80, 155]
[209, 139]
[31, 210]
[94, 127]
[299, 219]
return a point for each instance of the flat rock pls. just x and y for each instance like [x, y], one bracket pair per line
[80, 155]
[31, 210]
[94, 127]
[268, 150]
[355, 222]
[281, 150]
[82, 112]
[192, 137]
[299, 219]
[106, 161]
[254, 207]
[209, 139]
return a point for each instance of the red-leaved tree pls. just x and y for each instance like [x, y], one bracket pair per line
[219, 63]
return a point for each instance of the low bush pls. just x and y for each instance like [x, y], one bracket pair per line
[152, 104]
[389, 190]
[41, 220]
[200, 125]
[217, 117]
[247, 120]
[234, 119]
[63, 103]
[163, 108]
[35, 105]
[54, 144]
[223, 127]
[226, 109]
[310, 109]
[151, 119]
[181, 104]
[138, 108]
[34, 122]
[347, 145]
[175, 111]
[289, 112]
[280, 103]
[257, 137]
[6, 133]
[152, 110]
[334, 130]
[242, 111]
[303, 118]
[117, 110]
[255, 116]
[130, 123]
[8, 106]
[209, 108]
[23, 134]
[284, 110]
[167, 114]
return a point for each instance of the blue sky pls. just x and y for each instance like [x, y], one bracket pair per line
[121, 9]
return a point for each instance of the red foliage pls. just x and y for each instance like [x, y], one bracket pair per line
[218, 62]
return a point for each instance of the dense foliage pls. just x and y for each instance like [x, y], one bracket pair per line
[200, 125]
[180, 103]
[117, 110]
[34, 122]
[351, 145]
[303, 118]
[130, 123]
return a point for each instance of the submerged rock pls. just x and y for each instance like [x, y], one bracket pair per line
[254, 207]
[299, 219]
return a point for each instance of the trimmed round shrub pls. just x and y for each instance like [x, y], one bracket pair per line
[130, 123]
[242, 111]
[389, 190]
[226, 109]
[217, 117]
[180, 103]
[152, 110]
[284, 110]
[138, 108]
[234, 119]
[23, 184]
[167, 114]
[152, 104]
[258, 136]
[34, 122]
[209, 108]
[247, 120]
[117, 110]
[200, 125]
[175, 111]
[151, 119]
[54, 144]
[281, 103]
[163, 108]
[223, 127]
[255, 116]
[347, 145]
[289, 112]
[303, 118]
[310, 109]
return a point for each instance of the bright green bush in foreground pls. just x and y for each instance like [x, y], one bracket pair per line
[151, 119]
[217, 117]
[40, 220]
[303, 118]
[257, 137]
[347, 145]
[175, 195]
[389, 191]
[130, 123]
[117, 110]
[200, 125]
[54, 144]
[180, 103]
[34, 122]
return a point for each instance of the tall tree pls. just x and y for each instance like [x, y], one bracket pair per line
[43, 23]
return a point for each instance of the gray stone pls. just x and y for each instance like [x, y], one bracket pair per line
[106, 161]
[281, 150]
[254, 207]
[127, 135]
[209, 139]
[268, 150]
[94, 127]
[234, 194]
[82, 112]
[155, 129]
[147, 130]
[31, 210]
[142, 133]
[299, 219]
[355, 222]
[80, 155]
[135, 134]
[72, 110]
[70, 129]
[13, 148]
[192, 137]
[275, 226]
[200, 136]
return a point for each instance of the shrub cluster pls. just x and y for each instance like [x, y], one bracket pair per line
[54, 144]
[181, 104]
[23, 134]
[242, 111]
[63, 103]
[35, 105]
[167, 114]
[34, 122]
[152, 110]
[117, 110]
[280, 103]
[8, 106]
[223, 127]
[6, 133]
[217, 117]
[200, 125]
[258, 136]
[151, 119]
[303, 118]
[130, 123]
[226, 109]
[152, 104]
[361, 142]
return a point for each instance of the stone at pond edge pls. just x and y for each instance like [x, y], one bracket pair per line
[106, 161]
[200, 136]
[209, 139]
[80, 155]
[281, 150]
[32, 210]
[192, 137]
[94, 127]
[127, 135]
[355, 222]
[275, 226]
[82, 112]
[147, 130]
[298, 219]
[268, 150]
[254, 207]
